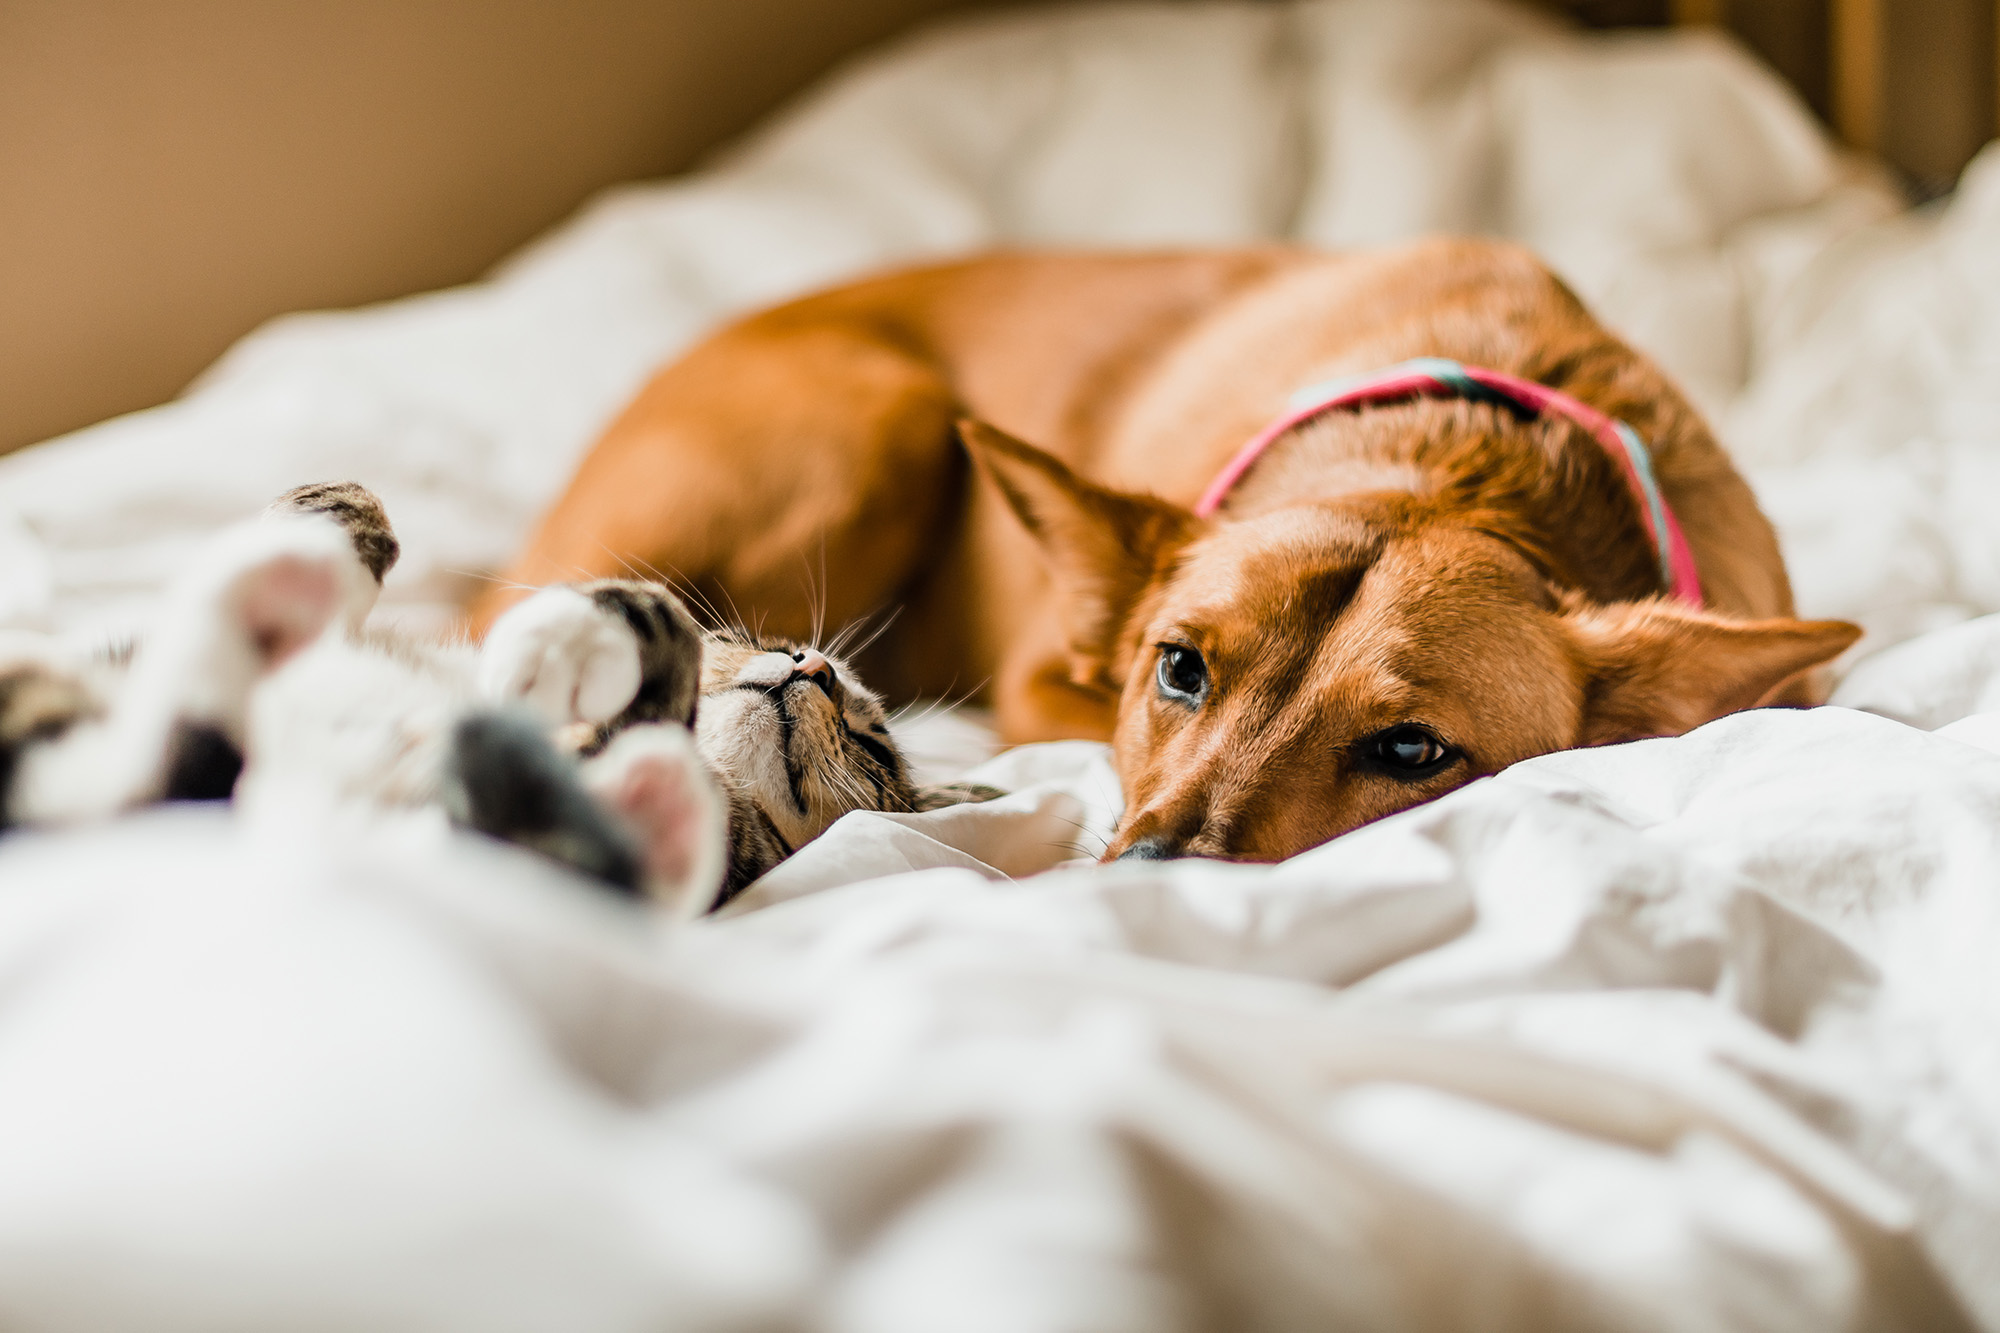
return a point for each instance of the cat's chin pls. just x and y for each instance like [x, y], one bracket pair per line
[770, 744]
[742, 733]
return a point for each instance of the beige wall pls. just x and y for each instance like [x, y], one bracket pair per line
[174, 171]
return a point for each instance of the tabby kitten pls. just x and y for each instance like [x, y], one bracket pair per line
[788, 733]
[598, 724]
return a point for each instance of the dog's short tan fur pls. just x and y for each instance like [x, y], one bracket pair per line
[1435, 564]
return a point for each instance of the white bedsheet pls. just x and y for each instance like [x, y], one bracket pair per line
[1690, 1034]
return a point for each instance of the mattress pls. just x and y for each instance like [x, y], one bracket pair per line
[1691, 1033]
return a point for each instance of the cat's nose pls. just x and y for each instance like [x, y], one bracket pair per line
[812, 664]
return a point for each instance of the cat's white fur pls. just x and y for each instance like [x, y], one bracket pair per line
[562, 655]
[654, 777]
[263, 639]
[254, 597]
[738, 730]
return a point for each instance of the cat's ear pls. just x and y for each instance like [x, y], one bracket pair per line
[654, 780]
[1104, 547]
[955, 793]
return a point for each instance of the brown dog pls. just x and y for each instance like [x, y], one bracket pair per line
[1395, 598]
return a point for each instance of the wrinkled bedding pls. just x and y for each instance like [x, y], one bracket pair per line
[1687, 1034]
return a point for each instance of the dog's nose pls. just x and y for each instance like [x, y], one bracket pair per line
[1152, 849]
[812, 664]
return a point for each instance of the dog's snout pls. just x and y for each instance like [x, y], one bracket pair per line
[1152, 849]
[811, 664]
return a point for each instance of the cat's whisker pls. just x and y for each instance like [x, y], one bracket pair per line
[689, 590]
[853, 627]
[932, 707]
[847, 631]
[579, 574]
[486, 576]
[368, 688]
[686, 588]
[700, 599]
[817, 591]
[735, 612]
[873, 634]
[825, 591]
[634, 567]
[854, 795]
[1084, 829]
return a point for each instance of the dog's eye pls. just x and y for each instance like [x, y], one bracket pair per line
[1182, 672]
[1408, 752]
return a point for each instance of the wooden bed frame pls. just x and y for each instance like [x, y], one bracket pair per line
[1913, 80]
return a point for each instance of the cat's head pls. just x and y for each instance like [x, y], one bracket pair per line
[794, 733]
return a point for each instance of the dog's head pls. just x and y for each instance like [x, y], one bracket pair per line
[1285, 678]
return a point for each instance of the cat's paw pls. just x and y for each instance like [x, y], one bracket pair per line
[562, 655]
[354, 509]
[257, 596]
[670, 647]
[175, 726]
[503, 778]
[363, 523]
[654, 780]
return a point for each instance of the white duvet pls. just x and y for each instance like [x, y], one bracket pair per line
[1690, 1034]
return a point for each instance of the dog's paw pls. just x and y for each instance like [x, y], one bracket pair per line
[562, 655]
[653, 779]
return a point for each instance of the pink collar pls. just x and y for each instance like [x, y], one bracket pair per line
[1437, 376]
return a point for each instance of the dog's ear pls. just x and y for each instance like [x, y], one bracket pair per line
[1659, 669]
[1104, 547]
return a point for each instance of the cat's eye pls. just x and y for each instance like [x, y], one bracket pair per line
[1182, 674]
[1408, 753]
[877, 751]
